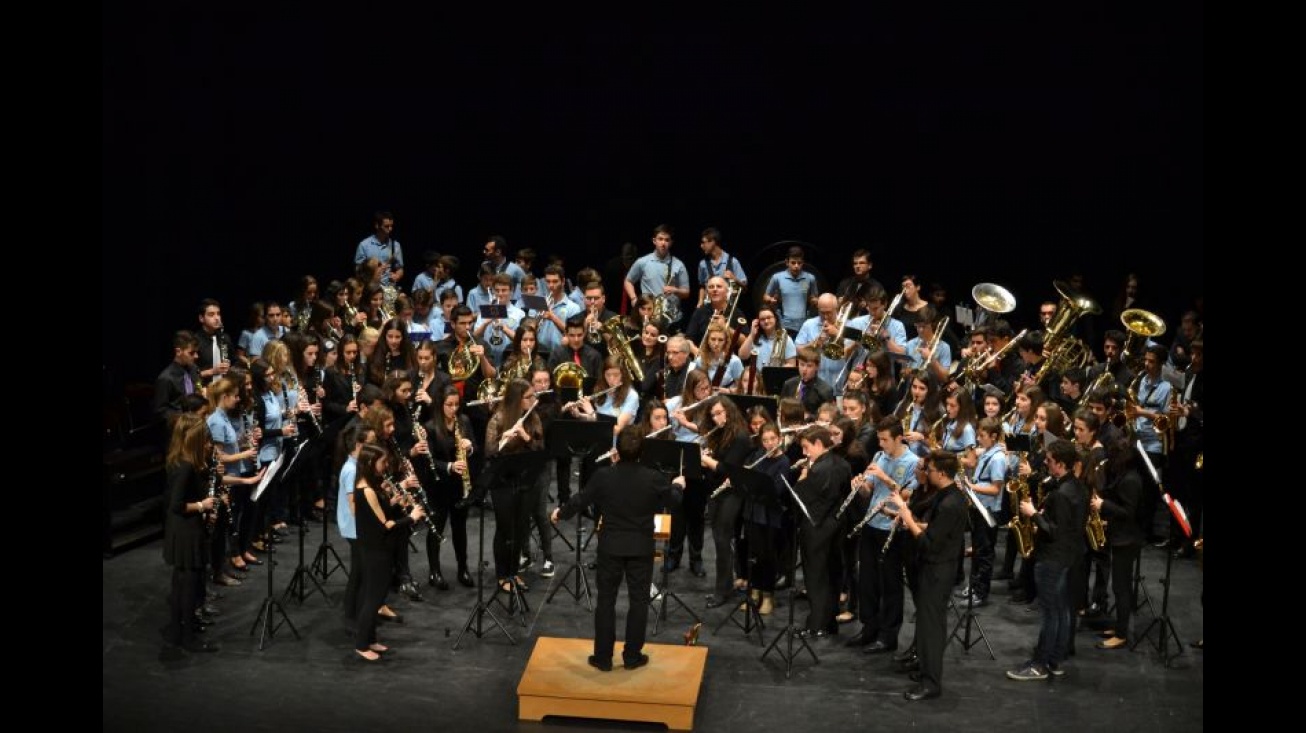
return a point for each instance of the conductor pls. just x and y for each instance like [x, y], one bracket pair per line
[628, 495]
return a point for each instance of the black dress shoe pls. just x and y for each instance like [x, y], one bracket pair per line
[861, 638]
[696, 567]
[439, 582]
[713, 601]
[878, 647]
[465, 577]
[920, 693]
[603, 665]
[906, 654]
[410, 590]
[637, 663]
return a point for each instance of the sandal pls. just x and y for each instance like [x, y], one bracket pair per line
[368, 655]
[1115, 642]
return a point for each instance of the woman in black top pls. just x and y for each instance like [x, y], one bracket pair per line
[452, 479]
[191, 473]
[377, 536]
[731, 445]
[764, 519]
[511, 515]
[1117, 503]
[393, 353]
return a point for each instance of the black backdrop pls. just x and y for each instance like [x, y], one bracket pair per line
[242, 150]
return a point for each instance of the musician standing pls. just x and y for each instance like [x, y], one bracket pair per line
[498, 333]
[496, 256]
[553, 322]
[659, 273]
[178, 379]
[716, 263]
[384, 247]
[939, 536]
[630, 495]
[820, 487]
[879, 579]
[184, 546]
[1060, 544]
[214, 344]
[860, 281]
[1153, 400]
[792, 291]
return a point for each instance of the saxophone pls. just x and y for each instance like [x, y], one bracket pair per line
[907, 417]
[460, 454]
[1022, 529]
[1095, 528]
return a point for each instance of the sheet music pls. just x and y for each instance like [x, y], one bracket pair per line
[272, 469]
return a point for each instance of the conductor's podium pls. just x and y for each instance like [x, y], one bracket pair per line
[559, 681]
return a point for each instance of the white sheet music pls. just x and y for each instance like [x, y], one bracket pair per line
[272, 469]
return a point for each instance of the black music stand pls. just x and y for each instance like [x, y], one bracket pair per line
[759, 490]
[298, 588]
[577, 438]
[746, 402]
[790, 631]
[475, 622]
[270, 603]
[322, 565]
[518, 470]
[1163, 623]
[774, 377]
[670, 457]
[968, 617]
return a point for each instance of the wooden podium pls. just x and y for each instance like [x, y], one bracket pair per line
[559, 681]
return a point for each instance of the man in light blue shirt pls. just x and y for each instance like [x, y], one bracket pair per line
[941, 359]
[498, 333]
[818, 332]
[496, 253]
[659, 273]
[716, 263]
[426, 279]
[383, 247]
[273, 328]
[792, 291]
[553, 322]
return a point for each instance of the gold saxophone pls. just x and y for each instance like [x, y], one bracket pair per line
[1095, 528]
[1022, 529]
[934, 438]
[907, 417]
[460, 454]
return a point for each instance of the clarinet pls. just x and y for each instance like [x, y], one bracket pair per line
[247, 419]
[211, 516]
[418, 496]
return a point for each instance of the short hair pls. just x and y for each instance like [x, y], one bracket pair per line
[1159, 351]
[664, 229]
[450, 263]
[945, 462]
[448, 294]
[989, 426]
[1001, 329]
[593, 285]
[891, 424]
[461, 311]
[809, 354]
[629, 442]
[818, 434]
[1090, 418]
[431, 258]
[794, 253]
[1062, 451]
[711, 234]
[863, 252]
[1032, 341]
[555, 270]
[381, 216]
[501, 278]
[928, 315]
[576, 321]
[500, 244]
[1116, 336]
[526, 253]
[184, 340]
[1075, 376]
[876, 295]
[204, 305]
[369, 394]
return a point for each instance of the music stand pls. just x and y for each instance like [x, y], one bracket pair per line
[270, 603]
[518, 470]
[670, 457]
[321, 564]
[576, 438]
[790, 631]
[758, 489]
[746, 402]
[303, 575]
[968, 617]
[1163, 623]
[774, 377]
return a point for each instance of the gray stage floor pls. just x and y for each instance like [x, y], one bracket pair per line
[314, 683]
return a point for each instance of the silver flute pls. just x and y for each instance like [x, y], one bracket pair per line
[849, 499]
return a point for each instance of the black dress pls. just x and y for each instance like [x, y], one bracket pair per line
[184, 544]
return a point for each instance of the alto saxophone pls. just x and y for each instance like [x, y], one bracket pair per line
[460, 454]
[1095, 528]
[1022, 529]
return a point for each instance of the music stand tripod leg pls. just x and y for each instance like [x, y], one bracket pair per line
[481, 609]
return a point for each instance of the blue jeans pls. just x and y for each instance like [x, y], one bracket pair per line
[1054, 603]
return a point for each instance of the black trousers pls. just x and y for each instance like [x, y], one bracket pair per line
[880, 585]
[638, 573]
[218, 539]
[242, 519]
[349, 604]
[816, 543]
[983, 545]
[725, 521]
[762, 543]
[1123, 558]
[374, 585]
[936, 580]
[537, 509]
[510, 517]
[687, 522]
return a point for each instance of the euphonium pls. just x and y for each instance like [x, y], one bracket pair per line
[1063, 350]
[621, 347]
[1142, 325]
[462, 362]
[1095, 528]
[569, 375]
[834, 348]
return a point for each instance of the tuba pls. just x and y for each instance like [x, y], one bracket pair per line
[992, 298]
[1062, 350]
[1142, 325]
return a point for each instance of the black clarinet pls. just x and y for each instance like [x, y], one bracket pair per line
[419, 495]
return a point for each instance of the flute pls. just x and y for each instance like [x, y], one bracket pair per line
[492, 400]
[849, 499]
[726, 484]
[520, 421]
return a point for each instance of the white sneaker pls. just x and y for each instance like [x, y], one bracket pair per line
[547, 570]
